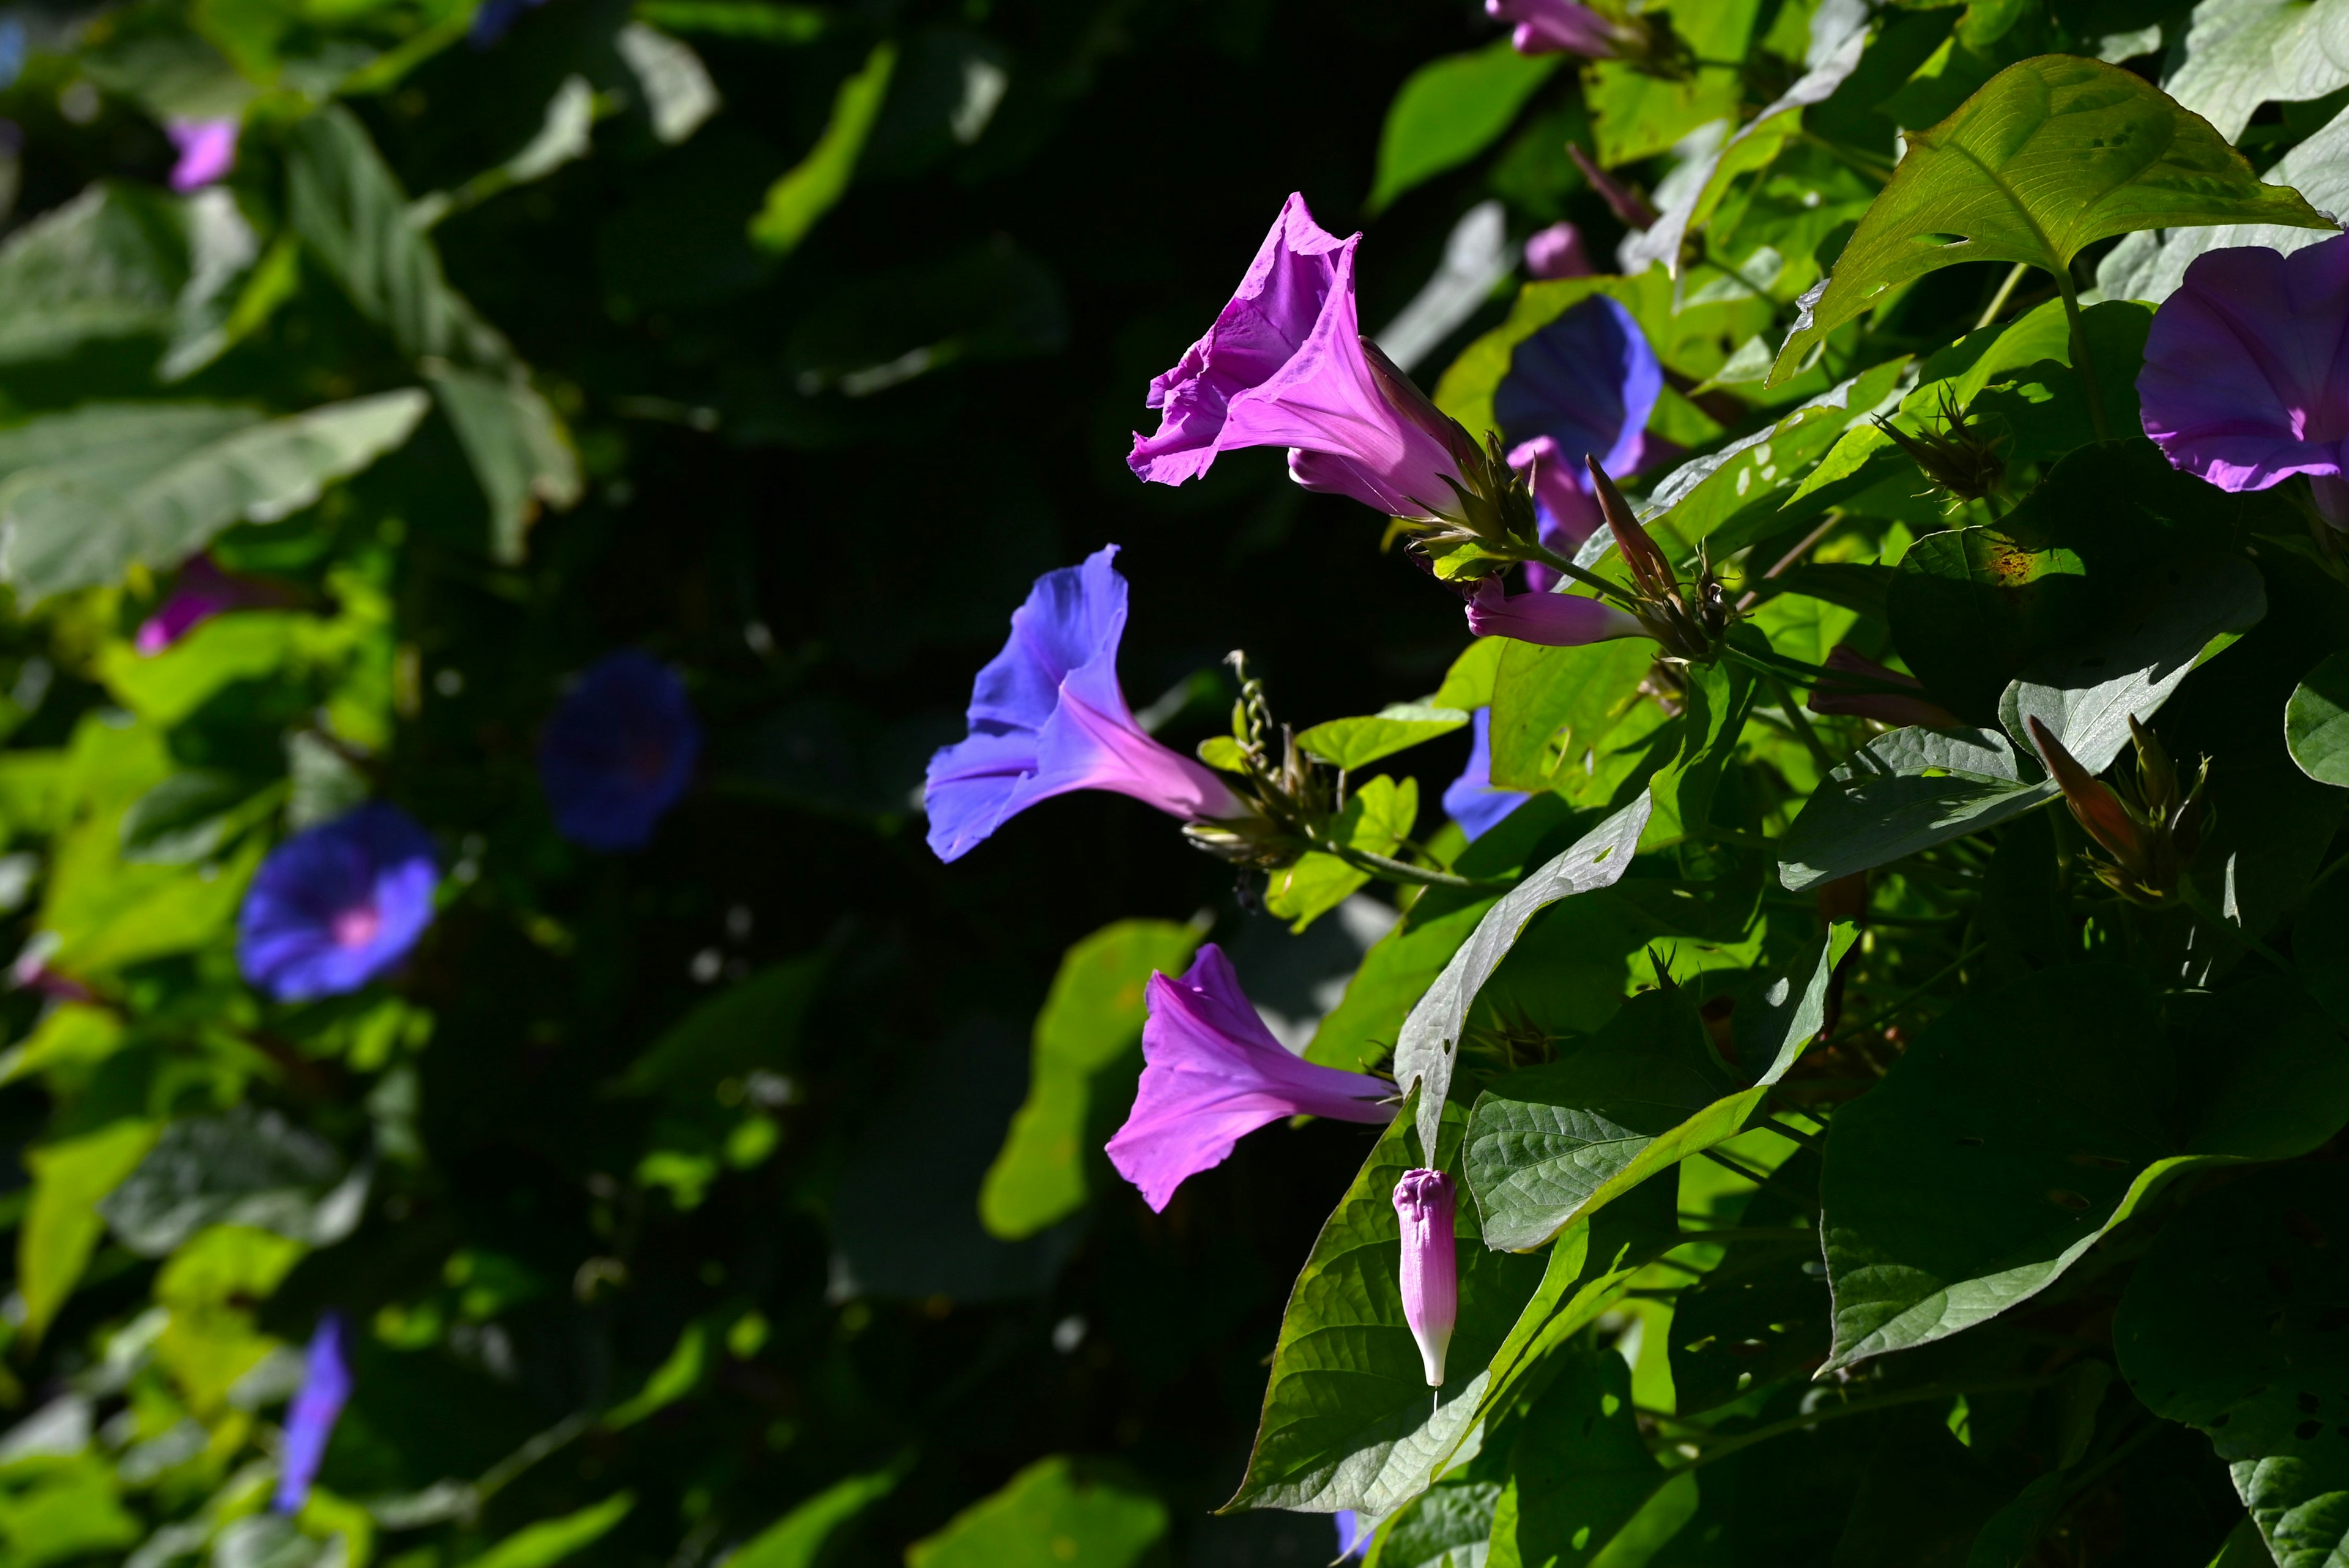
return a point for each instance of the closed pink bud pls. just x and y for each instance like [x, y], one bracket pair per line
[1431, 1271]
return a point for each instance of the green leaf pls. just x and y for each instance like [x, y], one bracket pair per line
[1580, 1469]
[1092, 1019]
[108, 264]
[1551, 706]
[1551, 1145]
[817, 181]
[802, 1538]
[164, 688]
[2053, 154]
[1971, 609]
[519, 452]
[1760, 1316]
[2316, 721]
[1063, 1509]
[1349, 1420]
[1635, 115]
[1430, 1040]
[88, 492]
[237, 1167]
[553, 1540]
[62, 1226]
[2241, 54]
[2231, 1323]
[1904, 792]
[756, 1024]
[1358, 743]
[677, 1377]
[1376, 820]
[1452, 1516]
[1449, 111]
[1715, 703]
[71, 1511]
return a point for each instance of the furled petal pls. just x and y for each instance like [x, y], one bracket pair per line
[310, 1418]
[2246, 377]
[1557, 252]
[1471, 800]
[1887, 707]
[1213, 1073]
[207, 152]
[1556, 620]
[1047, 716]
[1424, 1202]
[1285, 366]
[1555, 27]
[337, 905]
[618, 752]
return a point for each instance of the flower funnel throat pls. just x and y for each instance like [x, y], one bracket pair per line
[1425, 1201]
[336, 905]
[1047, 716]
[618, 752]
[1212, 1072]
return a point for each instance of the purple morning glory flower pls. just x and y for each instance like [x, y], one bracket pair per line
[2246, 377]
[1581, 387]
[1552, 619]
[1047, 716]
[1352, 1539]
[618, 752]
[1285, 365]
[1555, 27]
[207, 152]
[1424, 1202]
[310, 1418]
[1556, 252]
[1212, 1072]
[337, 905]
[1471, 800]
[202, 591]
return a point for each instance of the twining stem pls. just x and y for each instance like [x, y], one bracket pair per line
[1743, 1441]
[1802, 725]
[2006, 292]
[1403, 871]
[2082, 360]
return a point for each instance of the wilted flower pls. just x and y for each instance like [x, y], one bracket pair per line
[1471, 800]
[201, 592]
[310, 1418]
[1552, 619]
[1047, 716]
[2246, 377]
[1424, 1199]
[1581, 388]
[338, 904]
[619, 751]
[207, 152]
[1863, 695]
[2151, 828]
[1285, 365]
[1555, 27]
[1556, 252]
[1212, 1072]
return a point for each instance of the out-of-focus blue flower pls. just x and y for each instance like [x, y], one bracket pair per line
[12, 51]
[1471, 800]
[1352, 1539]
[618, 752]
[1582, 386]
[494, 17]
[338, 904]
[310, 1419]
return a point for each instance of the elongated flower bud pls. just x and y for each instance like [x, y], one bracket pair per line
[1431, 1271]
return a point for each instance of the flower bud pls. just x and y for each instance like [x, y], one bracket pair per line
[1431, 1268]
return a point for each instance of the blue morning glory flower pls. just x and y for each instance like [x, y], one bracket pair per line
[1471, 800]
[618, 752]
[1047, 716]
[1352, 1539]
[338, 904]
[1581, 387]
[310, 1418]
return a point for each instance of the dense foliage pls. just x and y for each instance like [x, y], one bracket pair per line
[1809, 1021]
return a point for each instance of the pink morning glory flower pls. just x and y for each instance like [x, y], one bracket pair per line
[1556, 252]
[1552, 619]
[1047, 716]
[202, 591]
[1212, 1072]
[1424, 1202]
[1555, 27]
[207, 152]
[2246, 377]
[1285, 365]
[1471, 800]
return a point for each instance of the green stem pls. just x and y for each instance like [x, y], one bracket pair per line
[2082, 360]
[2006, 292]
[1801, 724]
[1402, 871]
[1743, 1440]
[1560, 563]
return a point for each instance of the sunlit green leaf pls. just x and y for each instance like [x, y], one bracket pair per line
[1449, 111]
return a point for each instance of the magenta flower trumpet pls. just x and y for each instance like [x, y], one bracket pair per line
[1285, 365]
[1212, 1072]
[1556, 252]
[1552, 619]
[2246, 377]
[207, 152]
[1047, 716]
[1424, 1201]
[202, 591]
[1555, 27]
